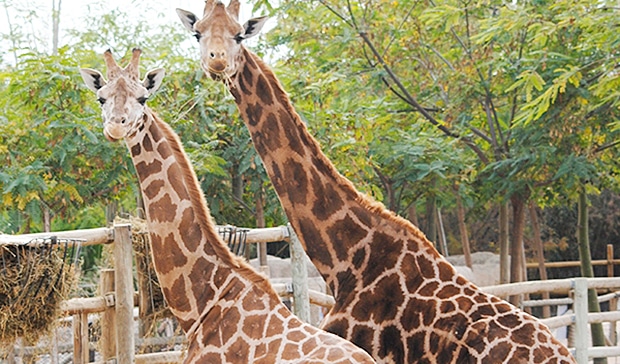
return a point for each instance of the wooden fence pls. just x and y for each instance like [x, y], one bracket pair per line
[116, 298]
[580, 318]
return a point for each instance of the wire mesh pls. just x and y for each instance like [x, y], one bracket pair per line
[235, 238]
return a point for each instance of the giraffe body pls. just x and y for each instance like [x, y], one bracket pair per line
[395, 295]
[230, 313]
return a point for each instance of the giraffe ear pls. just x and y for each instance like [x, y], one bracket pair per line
[253, 27]
[153, 79]
[94, 79]
[188, 19]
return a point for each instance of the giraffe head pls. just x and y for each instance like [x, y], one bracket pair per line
[123, 96]
[220, 34]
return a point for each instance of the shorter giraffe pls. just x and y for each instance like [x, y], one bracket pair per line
[230, 313]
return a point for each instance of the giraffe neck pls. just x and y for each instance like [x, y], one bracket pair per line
[322, 205]
[194, 267]
[395, 295]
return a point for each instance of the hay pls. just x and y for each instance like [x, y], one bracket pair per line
[34, 280]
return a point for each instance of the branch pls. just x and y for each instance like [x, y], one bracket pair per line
[399, 27]
[411, 100]
[244, 205]
[402, 97]
[337, 13]
[606, 146]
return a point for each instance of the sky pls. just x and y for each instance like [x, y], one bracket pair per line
[74, 13]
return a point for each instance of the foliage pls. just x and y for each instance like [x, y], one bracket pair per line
[526, 86]
[55, 156]
[515, 98]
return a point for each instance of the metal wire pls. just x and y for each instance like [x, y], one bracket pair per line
[235, 238]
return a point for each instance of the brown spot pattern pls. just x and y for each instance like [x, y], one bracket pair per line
[190, 231]
[384, 253]
[296, 186]
[162, 210]
[327, 201]
[263, 90]
[344, 234]
[147, 143]
[155, 133]
[200, 275]
[177, 182]
[254, 114]
[164, 150]
[136, 150]
[153, 189]
[312, 239]
[147, 169]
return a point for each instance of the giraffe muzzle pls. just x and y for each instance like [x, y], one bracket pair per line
[114, 130]
[217, 66]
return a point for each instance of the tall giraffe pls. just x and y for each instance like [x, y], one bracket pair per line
[230, 313]
[396, 296]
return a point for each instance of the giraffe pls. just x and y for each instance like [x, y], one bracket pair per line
[229, 312]
[396, 296]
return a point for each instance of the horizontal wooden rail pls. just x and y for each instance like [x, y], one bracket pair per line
[551, 286]
[86, 305]
[105, 235]
[83, 237]
[316, 297]
[267, 235]
[160, 358]
[593, 317]
[573, 264]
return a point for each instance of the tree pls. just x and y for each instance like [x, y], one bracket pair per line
[496, 78]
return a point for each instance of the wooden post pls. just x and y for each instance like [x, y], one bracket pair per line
[80, 338]
[441, 235]
[108, 317]
[123, 282]
[610, 260]
[301, 300]
[613, 303]
[581, 320]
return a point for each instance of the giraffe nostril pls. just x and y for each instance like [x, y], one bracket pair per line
[123, 121]
[212, 55]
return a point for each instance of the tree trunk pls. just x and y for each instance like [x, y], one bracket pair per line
[12, 35]
[55, 25]
[540, 255]
[518, 202]
[441, 235]
[431, 222]
[47, 219]
[111, 212]
[412, 215]
[504, 245]
[460, 213]
[260, 223]
[583, 240]
[237, 184]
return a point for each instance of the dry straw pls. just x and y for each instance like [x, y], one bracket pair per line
[34, 279]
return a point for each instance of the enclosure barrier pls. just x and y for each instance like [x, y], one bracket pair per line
[117, 299]
[580, 317]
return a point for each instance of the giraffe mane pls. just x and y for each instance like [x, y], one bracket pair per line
[201, 210]
[365, 201]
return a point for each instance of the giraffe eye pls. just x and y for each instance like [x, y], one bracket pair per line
[101, 100]
[197, 35]
[238, 38]
[142, 100]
